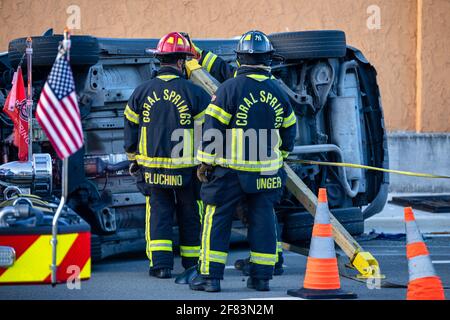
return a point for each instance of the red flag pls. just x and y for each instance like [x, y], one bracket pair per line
[57, 111]
[16, 108]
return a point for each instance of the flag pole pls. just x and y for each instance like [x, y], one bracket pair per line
[29, 53]
[65, 185]
[64, 178]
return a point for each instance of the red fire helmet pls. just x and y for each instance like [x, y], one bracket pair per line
[173, 43]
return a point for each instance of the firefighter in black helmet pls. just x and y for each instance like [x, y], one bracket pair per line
[249, 129]
[221, 70]
[159, 117]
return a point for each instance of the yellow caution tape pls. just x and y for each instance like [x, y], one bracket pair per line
[360, 166]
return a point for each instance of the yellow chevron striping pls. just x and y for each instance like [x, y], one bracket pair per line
[34, 264]
[86, 272]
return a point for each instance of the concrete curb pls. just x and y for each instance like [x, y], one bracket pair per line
[391, 220]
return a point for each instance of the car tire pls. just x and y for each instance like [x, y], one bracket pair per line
[298, 226]
[309, 44]
[84, 50]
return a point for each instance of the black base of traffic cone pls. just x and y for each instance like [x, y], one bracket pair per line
[321, 294]
[187, 276]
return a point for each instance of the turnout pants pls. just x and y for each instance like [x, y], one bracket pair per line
[160, 208]
[221, 196]
[280, 258]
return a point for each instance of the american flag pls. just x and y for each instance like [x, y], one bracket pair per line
[57, 110]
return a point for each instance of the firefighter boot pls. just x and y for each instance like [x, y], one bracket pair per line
[163, 273]
[258, 284]
[243, 265]
[201, 283]
[187, 276]
[278, 270]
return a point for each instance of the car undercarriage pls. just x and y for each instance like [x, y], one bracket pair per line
[333, 90]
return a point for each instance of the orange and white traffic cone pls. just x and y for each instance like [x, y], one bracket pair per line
[322, 274]
[423, 284]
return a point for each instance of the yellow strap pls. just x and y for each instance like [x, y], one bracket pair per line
[284, 154]
[360, 166]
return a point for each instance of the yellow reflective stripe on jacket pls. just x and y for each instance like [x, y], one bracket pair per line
[205, 157]
[218, 113]
[131, 115]
[209, 60]
[257, 77]
[167, 77]
[200, 117]
[160, 245]
[190, 251]
[260, 77]
[166, 163]
[277, 147]
[143, 142]
[131, 156]
[251, 166]
[242, 165]
[290, 120]
[263, 258]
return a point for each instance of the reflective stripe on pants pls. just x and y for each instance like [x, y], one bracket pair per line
[164, 202]
[218, 222]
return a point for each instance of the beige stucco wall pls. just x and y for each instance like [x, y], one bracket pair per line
[392, 48]
[434, 83]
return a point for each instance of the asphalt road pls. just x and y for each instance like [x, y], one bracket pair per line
[127, 277]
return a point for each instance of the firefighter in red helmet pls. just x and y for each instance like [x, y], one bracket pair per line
[159, 142]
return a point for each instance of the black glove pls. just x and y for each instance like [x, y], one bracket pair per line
[134, 169]
[204, 171]
[197, 52]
